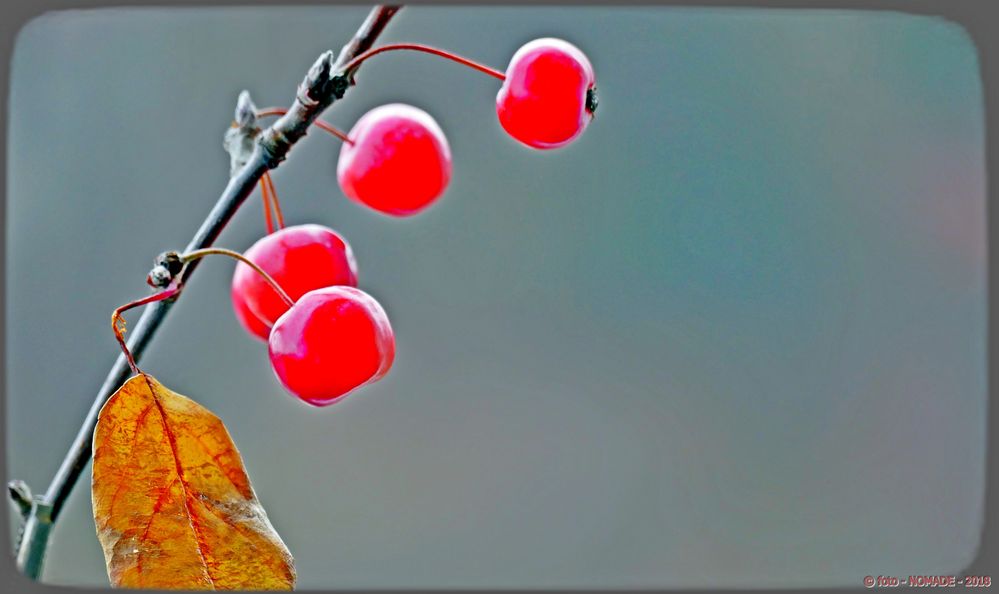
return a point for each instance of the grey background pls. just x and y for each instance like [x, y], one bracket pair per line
[701, 346]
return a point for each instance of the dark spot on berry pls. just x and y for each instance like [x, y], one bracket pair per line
[591, 100]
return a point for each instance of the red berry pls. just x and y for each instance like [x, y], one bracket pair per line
[549, 94]
[300, 259]
[247, 319]
[398, 161]
[332, 341]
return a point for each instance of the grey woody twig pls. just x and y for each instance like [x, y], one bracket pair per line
[326, 82]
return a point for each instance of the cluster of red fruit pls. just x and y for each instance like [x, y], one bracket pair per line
[336, 338]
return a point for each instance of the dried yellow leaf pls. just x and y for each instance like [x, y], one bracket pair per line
[173, 506]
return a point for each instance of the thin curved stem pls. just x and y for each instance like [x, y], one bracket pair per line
[198, 254]
[265, 194]
[279, 216]
[118, 322]
[427, 49]
[329, 128]
[333, 130]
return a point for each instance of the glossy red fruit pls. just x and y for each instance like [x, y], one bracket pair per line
[549, 95]
[398, 161]
[247, 319]
[333, 341]
[300, 258]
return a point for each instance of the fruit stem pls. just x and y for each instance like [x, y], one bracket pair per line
[266, 195]
[331, 129]
[269, 181]
[197, 254]
[118, 322]
[419, 47]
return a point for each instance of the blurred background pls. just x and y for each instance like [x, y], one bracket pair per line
[733, 336]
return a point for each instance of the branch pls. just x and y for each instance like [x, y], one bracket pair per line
[326, 82]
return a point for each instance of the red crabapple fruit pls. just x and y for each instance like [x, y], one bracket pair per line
[332, 341]
[397, 162]
[549, 94]
[299, 258]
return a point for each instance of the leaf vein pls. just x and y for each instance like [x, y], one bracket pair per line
[183, 484]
